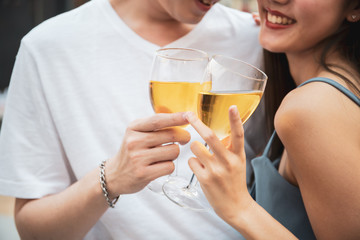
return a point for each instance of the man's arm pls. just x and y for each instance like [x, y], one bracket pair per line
[142, 157]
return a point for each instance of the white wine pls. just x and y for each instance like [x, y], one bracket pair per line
[213, 108]
[171, 97]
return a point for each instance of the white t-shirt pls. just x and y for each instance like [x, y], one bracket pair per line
[79, 79]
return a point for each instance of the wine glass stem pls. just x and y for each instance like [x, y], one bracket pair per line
[176, 162]
[191, 180]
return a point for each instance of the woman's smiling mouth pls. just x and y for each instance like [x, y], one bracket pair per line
[276, 19]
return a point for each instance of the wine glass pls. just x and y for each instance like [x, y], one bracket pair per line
[175, 81]
[227, 82]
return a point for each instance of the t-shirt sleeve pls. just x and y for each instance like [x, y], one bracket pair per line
[32, 161]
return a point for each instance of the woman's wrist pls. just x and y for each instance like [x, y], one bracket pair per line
[239, 216]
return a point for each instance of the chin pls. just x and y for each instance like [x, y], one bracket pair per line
[272, 46]
[191, 20]
[194, 21]
[274, 50]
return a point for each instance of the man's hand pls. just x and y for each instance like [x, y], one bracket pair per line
[146, 153]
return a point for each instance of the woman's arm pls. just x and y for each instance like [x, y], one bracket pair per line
[319, 127]
[71, 213]
[222, 177]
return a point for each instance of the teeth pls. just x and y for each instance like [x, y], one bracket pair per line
[206, 2]
[279, 19]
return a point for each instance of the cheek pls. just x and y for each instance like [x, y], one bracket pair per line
[317, 25]
[322, 29]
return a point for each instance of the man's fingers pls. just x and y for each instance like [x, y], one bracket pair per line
[256, 18]
[137, 140]
[175, 134]
[159, 154]
[159, 169]
[158, 121]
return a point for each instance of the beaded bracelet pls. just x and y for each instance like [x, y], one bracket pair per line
[103, 186]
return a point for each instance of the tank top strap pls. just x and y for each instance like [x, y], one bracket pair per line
[337, 85]
[331, 82]
[268, 145]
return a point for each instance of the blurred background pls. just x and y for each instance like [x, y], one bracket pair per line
[17, 18]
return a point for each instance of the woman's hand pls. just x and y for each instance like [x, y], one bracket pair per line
[143, 156]
[222, 174]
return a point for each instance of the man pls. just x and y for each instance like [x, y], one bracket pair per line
[80, 81]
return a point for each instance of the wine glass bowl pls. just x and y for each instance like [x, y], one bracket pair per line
[175, 79]
[227, 81]
[175, 82]
[230, 82]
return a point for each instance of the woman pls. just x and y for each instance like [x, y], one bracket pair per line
[310, 187]
[79, 95]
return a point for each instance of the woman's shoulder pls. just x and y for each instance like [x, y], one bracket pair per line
[319, 127]
[302, 106]
[314, 118]
[314, 105]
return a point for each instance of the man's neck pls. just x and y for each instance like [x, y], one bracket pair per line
[150, 21]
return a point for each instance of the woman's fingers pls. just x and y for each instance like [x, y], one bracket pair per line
[237, 131]
[197, 167]
[207, 134]
[226, 141]
[217, 146]
[201, 152]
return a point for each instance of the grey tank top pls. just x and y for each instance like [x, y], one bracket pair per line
[275, 194]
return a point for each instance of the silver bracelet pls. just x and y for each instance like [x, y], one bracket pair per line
[103, 186]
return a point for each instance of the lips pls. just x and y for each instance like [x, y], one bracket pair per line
[205, 5]
[208, 2]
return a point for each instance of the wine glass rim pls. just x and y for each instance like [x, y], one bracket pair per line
[205, 54]
[265, 77]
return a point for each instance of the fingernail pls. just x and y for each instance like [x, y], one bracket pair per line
[233, 109]
[188, 115]
[185, 116]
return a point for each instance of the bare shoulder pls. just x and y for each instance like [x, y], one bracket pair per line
[319, 127]
[316, 105]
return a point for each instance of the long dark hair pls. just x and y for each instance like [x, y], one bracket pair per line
[278, 85]
[344, 40]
